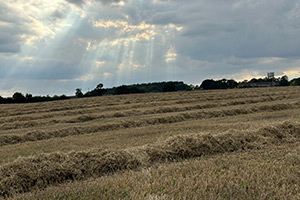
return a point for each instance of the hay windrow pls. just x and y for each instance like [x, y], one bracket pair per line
[80, 130]
[120, 111]
[42, 110]
[38, 172]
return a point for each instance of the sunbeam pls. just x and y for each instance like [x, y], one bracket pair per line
[80, 43]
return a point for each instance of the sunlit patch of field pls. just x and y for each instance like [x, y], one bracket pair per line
[221, 144]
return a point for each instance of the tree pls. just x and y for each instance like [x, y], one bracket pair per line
[28, 97]
[284, 81]
[221, 84]
[98, 91]
[18, 97]
[78, 93]
[123, 89]
[206, 84]
[232, 83]
[99, 86]
[295, 81]
[169, 87]
[2, 100]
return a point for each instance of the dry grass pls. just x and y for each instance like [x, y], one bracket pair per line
[161, 119]
[81, 139]
[271, 173]
[38, 172]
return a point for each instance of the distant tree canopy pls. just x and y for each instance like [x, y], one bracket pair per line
[295, 82]
[284, 81]
[98, 91]
[265, 82]
[209, 84]
[18, 97]
[78, 93]
[127, 89]
[170, 86]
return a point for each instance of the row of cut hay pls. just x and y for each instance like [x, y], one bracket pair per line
[71, 105]
[38, 172]
[80, 130]
[87, 110]
[14, 123]
[34, 114]
[182, 147]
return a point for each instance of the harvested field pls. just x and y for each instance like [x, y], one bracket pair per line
[117, 147]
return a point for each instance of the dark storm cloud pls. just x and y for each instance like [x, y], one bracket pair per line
[11, 28]
[241, 29]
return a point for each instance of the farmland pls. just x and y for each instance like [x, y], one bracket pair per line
[218, 144]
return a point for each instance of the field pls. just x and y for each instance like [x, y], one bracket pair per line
[220, 144]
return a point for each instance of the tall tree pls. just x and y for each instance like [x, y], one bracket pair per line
[18, 97]
[79, 93]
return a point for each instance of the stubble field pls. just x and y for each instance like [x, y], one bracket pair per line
[221, 144]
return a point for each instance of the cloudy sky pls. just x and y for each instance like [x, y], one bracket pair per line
[53, 47]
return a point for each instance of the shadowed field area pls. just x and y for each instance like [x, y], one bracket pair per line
[221, 144]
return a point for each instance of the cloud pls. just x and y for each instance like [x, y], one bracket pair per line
[112, 2]
[80, 3]
[248, 30]
[76, 2]
[58, 15]
[11, 30]
[79, 43]
[163, 18]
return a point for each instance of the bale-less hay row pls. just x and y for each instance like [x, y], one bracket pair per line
[38, 172]
[80, 130]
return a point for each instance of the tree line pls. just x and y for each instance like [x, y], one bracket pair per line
[18, 97]
[210, 84]
[170, 86]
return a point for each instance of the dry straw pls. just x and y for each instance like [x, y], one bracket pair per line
[166, 119]
[38, 172]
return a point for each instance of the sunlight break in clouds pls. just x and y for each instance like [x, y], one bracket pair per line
[171, 54]
[292, 73]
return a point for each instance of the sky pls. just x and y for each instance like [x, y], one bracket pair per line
[53, 47]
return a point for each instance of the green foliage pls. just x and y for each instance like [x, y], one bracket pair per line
[266, 82]
[98, 91]
[78, 93]
[131, 89]
[284, 81]
[169, 87]
[19, 97]
[295, 82]
[209, 84]
[29, 98]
